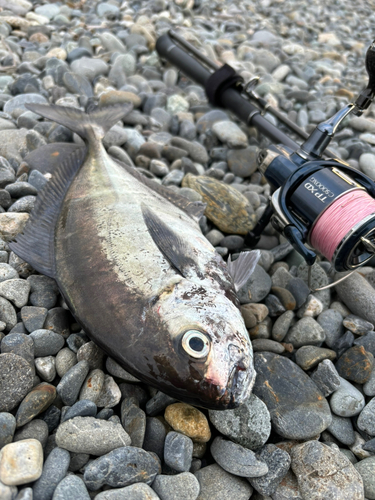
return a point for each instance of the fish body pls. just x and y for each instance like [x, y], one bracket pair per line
[139, 276]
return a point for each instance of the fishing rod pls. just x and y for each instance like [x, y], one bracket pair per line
[319, 204]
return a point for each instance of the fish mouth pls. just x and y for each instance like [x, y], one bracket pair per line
[239, 385]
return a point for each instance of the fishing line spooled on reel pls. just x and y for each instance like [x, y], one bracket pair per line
[321, 205]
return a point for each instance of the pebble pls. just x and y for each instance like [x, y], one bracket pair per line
[21, 462]
[20, 344]
[189, 421]
[65, 359]
[366, 419]
[248, 425]
[121, 467]
[300, 411]
[357, 293]
[7, 428]
[357, 325]
[278, 463]
[306, 331]
[236, 459]
[331, 322]
[154, 437]
[326, 377]
[320, 468]
[46, 342]
[82, 408]
[215, 483]
[342, 429]
[35, 402]
[365, 468]
[307, 357]
[184, 486]
[92, 386]
[178, 451]
[355, 364]
[71, 383]
[281, 326]
[54, 470]
[33, 317]
[71, 487]
[134, 422]
[16, 380]
[347, 401]
[91, 435]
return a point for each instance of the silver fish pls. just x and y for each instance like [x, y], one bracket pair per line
[137, 273]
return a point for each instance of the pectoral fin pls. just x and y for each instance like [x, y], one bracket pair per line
[243, 267]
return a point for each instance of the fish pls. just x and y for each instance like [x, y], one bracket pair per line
[135, 270]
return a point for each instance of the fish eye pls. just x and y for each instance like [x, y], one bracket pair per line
[196, 344]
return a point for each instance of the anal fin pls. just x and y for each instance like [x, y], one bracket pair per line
[36, 245]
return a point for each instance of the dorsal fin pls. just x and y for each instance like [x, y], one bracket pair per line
[243, 267]
[80, 122]
[36, 245]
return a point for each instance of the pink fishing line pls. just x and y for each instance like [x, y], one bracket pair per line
[339, 219]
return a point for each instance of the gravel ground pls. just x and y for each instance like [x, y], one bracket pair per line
[73, 423]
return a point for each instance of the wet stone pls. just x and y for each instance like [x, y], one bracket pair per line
[300, 291]
[33, 317]
[323, 472]
[133, 390]
[305, 332]
[189, 421]
[357, 325]
[342, 429]
[299, 411]
[65, 359]
[355, 364]
[178, 451]
[326, 377]
[36, 429]
[36, 401]
[83, 408]
[46, 342]
[7, 428]
[71, 383]
[71, 487]
[19, 189]
[248, 425]
[16, 380]
[347, 401]
[21, 462]
[121, 467]
[215, 484]
[54, 470]
[92, 386]
[91, 435]
[236, 459]
[274, 305]
[307, 357]
[278, 463]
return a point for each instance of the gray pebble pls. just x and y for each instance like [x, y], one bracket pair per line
[154, 438]
[134, 422]
[356, 324]
[46, 342]
[215, 484]
[36, 429]
[305, 332]
[54, 470]
[33, 317]
[358, 295]
[16, 380]
[342, 429]
[65, 359]
[82, 408]
[7, 428]
[366, 419]
[331, 322]
[347, 401]
[183, 486]
[281, 326]
[91, 435]
[71, 383]
[20, 344]
[178, 451]
[278, 462]
[366, 470]
[158, 403]
[326, 377]
[236, 459]
[46, 368]
[71, 487]
[256, 288]
[15, 290]
[92, 386]
[137, 491]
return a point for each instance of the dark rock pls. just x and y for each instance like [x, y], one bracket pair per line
[71, 383]
[33, 317]
[298, 411]
[46, 342]
[83, 408]
[54, 470]
[278, 462]
[178, 451]
[355, 364]
[36, 429]
[134, 422]
[20, 344]
[326, 377]
[7, 428]
[36, 401]
[156, 431]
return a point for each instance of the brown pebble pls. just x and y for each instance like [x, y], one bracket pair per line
[355, 364]
[39, 37]
[119, 97]
[189, 421]
[285, 297]
[260, 311]
[38, 400]
[288, 347]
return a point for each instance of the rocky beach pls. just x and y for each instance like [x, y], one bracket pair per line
[73, 423]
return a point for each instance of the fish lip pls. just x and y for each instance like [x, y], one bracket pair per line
[239, 385]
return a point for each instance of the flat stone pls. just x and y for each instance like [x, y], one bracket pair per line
[248, 425]
[137, 491]
[16, 380]
[46, 342]
[189, 421]
[121, 467]
[20, 344]
[305, 332]
[91, 435]
[367, 341]
[83, 408]
[307, 357]
[278, 463]
[21, 462]
[326, 377]
[155, 433]
[236, 459]
[366, 419]
[347, 401]
[71, 383]
[230, 133]
[215, 484]
[281, 326]
[33, 317]
[178, 451]
[342, 429]
[71, 487]
[54, 471]
[357, 325]
[299, 410]
[110, 394]
[323, 472]
[256, 288]
[36, 401]
[366, 470]
[243, 162]
[183, 486]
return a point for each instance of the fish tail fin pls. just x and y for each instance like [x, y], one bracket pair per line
[94, 124]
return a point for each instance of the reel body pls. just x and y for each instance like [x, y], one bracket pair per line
[306, 189]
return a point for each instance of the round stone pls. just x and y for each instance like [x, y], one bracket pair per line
[16, 380]
[21, 462]
[347, 401]
[189, 421]
[183, 486]
[355, 364]
[215, 484]
[366, 470]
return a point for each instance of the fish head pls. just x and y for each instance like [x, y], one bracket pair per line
[208, 358]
